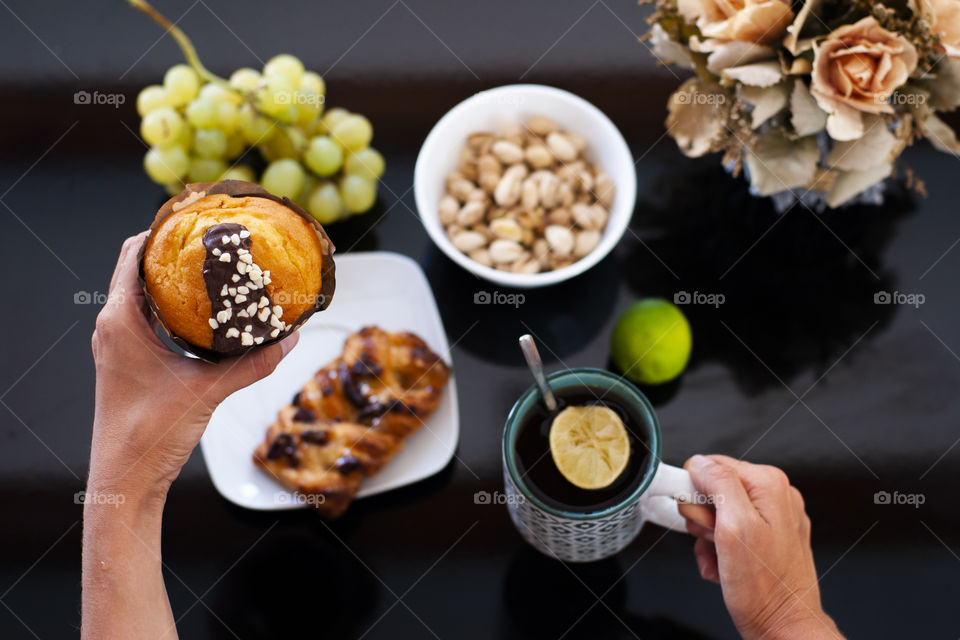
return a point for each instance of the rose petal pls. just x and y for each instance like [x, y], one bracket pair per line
[725, 55]
[668, 51]
[875, 147]
[777, 164]
[849, 184]
[692, 123]
[807, 118]
[759, 74]
[766, 101]
[940, 135]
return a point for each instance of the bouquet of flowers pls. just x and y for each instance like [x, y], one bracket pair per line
[813, 100]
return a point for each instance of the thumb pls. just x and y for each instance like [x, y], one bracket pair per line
[254, 365]
[723, 485]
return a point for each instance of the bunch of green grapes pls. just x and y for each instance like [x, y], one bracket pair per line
[203, 128]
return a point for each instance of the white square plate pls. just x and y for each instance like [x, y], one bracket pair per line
[376, 288]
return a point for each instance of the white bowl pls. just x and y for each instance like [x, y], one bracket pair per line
[488, 111]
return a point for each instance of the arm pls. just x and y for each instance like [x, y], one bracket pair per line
[152, 406]
[756, 544]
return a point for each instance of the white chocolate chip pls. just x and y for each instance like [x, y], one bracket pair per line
[224, 291]
[213, 324]
[240, 298]
[225, 257]
[242, 289]
[242, 252]
[275, 333]
[242, 267]
[246, 339]
[216, 252]
[244, 233]
[278, 311]
[252, 308]
[232, 290]
[243, 313]
[248, 328]
[264, 301]
[264, 314]
[225, 239]
[236, 277]
[258, 340]
[224, 315]
[235, 239]
[247, 258]
[232, 332]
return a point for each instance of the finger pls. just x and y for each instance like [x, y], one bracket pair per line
[699, 531]
[242, 371]
[768, 487]
[128, 253]
[698, 513]
[722, 484]
[706, 555]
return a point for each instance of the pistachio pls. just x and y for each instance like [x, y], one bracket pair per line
[586, 242]
[561, 147]
[506, 229]
[507, 152]
[549, 185]
[538, 156]
[468, 241]
[448, 209]
[560, 216]
[482, 256]
[604, 189]
[560, 239]
[530, 194]
[471, 213]
[542, 126]
[509, 188]
[505, 251]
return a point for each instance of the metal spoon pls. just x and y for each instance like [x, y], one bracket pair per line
[532, 356]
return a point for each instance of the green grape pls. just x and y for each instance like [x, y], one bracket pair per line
[235, 146]
[239, 172]
[325, 204]
[166, 165]
[333, 116]
[210, 143]
[186, 138]
[285, 65]
[275, 97]
[227, 117]
[353, 132]
[205, 169]
[309, 103]
[323, 156]
[358, 193]
[367, 163]
[283, 178]
[150, 98]
[285, 142]
[309, 184]
[254, 127]
[202, 113]
[313, 81]
[161, 127]
[245, 79]
[181, 83]
[173, 188]
[217, 94]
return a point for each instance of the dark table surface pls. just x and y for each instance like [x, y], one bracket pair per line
[799, 367]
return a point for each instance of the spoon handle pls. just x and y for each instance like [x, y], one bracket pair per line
[532, 356]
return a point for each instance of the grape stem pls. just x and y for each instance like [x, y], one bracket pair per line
[189, 51]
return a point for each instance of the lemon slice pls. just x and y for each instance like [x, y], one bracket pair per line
[589, 445]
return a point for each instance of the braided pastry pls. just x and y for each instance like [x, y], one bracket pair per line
[351, 418]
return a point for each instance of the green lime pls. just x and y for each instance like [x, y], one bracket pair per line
[651, 341]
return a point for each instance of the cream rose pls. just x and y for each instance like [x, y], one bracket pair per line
[945, 20]
[760, 21]
[856, 69]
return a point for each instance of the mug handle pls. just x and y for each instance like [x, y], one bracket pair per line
[670, 485]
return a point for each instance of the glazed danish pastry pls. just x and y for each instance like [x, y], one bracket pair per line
[351, 418]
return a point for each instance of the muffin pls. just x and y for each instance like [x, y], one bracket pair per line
[228, 267]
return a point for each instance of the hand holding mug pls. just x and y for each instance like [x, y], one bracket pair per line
[755, 542]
